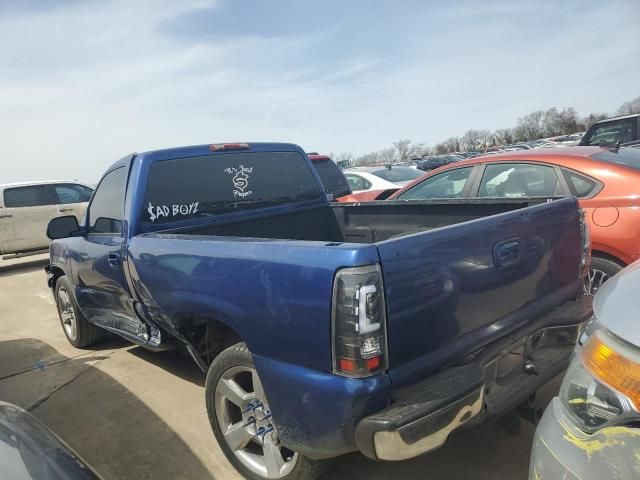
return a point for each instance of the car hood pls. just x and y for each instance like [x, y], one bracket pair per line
[617, 304]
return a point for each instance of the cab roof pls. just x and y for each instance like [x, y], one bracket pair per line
[206, 149]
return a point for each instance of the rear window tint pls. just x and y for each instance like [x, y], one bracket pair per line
[186, 188]
[629, 157]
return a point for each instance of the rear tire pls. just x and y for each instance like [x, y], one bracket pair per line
[601, 270]
[79, 331]
[232, 388]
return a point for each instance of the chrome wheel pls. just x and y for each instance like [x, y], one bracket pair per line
[244, 418]
[594, 281]
[67, 315]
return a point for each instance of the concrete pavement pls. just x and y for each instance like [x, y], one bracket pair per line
[135, 414]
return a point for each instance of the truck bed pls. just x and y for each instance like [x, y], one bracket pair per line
[359, 222]
[449, 291]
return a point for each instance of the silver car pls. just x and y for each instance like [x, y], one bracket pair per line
[591, 431]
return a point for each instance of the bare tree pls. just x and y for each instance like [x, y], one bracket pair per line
[591, 119]
[470, 140]
[343, 156]
[387, 155]
[568, 121]
[366, 159]
[451, 144]
[484, 138]
[503, 136]
[440, 149]
[402, 149]
[551, 123]
[632, 106]
[532, 125]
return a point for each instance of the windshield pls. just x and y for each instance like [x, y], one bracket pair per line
[184, 188]
[398, 174]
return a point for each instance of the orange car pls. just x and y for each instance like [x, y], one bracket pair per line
[606, 182]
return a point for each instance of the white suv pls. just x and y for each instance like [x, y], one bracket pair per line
[26, 208]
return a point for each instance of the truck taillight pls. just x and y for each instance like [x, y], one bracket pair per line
[359, 326]
[585, 258]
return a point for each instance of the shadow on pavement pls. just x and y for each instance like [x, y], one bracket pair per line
[110, 427]
[23, 266]
[176, 362]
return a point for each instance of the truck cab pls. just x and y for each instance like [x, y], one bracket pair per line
[622, 130]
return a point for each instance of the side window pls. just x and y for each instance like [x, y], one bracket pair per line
[357, 182]
[509, 180]
[107, 207]
[612, 133]
[29, 196]
[72, 193]
[448, 184]
[580, 185]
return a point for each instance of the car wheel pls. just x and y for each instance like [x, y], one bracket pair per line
[79, 331]
[600, 271]
[241, 420]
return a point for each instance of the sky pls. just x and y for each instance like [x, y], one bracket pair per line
[83, 83]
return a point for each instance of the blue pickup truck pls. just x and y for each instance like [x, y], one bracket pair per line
[324, 328]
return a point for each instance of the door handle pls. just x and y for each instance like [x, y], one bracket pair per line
[8, 215]
[114, 260]
[507, 253]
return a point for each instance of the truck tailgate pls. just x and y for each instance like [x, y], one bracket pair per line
[452, 290]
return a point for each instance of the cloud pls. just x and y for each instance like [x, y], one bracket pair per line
[83, 83]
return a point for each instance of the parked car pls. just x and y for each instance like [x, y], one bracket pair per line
[26, 208]
[396, 175]
[361, 181]
[590, 431]
[31, 451]
[325, 328]
[331, 175]
[605, 180]
[613, 131]
[437, 161]
[368, 195]
[337, 184]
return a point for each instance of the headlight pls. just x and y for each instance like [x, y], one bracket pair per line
[602, 385]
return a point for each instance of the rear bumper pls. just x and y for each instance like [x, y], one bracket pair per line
[500, 377]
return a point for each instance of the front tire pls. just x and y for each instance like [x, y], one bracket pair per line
[79, 331]
[241, 421]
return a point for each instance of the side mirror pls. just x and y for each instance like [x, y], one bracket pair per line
[62, 227]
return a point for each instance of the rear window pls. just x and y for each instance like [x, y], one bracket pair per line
[194, 187]
[398, 174]
[629, 157]
[332, 178]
